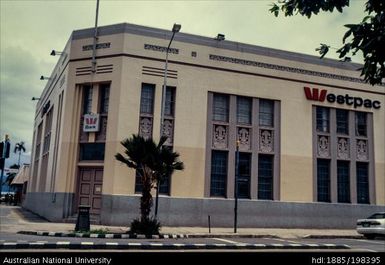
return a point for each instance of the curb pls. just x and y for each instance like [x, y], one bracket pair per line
[114, 236]
[174, 236]
[160, 246]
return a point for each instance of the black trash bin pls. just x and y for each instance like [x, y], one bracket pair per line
[83, 222]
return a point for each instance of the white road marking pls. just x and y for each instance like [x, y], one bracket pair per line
[63, 243]
[227, 241]
[369, 241]
[86, 243]
[285, 240]
[112, 243]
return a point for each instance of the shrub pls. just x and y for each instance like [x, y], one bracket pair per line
[145, 227]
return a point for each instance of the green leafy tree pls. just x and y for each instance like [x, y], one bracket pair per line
[368, 36]
[19, 147]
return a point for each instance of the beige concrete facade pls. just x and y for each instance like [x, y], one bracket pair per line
[202, 66]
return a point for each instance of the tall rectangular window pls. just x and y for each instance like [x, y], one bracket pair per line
[147, 98]
[265, 177]
[362, 182]
[244, 110]
[218, 173]
[343, 181]
[244, 175]
[342, 117]
[323, 180]
[221, 107]
[266, 113]
[138, 183]
[170, 101]
[164, 187]
[361, 126]
[322, 119]
[87, 99]
[104, 98]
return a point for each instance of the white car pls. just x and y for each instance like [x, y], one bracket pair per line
[372, 226]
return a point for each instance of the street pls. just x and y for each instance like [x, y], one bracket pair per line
[359, 245]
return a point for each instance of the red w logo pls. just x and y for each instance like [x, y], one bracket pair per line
[314, 95]
[91, 121]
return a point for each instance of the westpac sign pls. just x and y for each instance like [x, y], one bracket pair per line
[316, 94]
[91, 122]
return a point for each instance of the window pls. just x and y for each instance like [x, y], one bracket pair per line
[91, 151]
[138, 183]
[221, 108]
[218, 173]
[342, 117]
[265, 177]
[104, 98]
[170, 101]
[147, 98]
[87, 100]
[360, 123]
[362, 183]
[322, 119]
[164, 187]
[343, 183]
[244, 110]
[323, 180]
[244, 175]
[266, 113]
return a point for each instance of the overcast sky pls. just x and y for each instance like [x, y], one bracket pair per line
[31, 29]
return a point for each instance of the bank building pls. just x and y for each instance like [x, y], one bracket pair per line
[310, 132]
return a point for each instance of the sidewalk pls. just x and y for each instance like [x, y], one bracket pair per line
[16, 219]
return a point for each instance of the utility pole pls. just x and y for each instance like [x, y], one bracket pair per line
[5, 147]
[236, 188]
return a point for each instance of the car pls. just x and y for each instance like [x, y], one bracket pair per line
[372, 226]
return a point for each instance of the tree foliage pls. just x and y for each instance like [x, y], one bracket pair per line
[19, 147]
[152, 162]
[368, 36]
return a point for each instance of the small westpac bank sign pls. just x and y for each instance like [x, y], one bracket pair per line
[91, 122]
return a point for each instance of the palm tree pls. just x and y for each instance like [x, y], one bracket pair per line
[19, 147]
[151, 161]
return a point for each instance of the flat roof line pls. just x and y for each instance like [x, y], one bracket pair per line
[210, 42]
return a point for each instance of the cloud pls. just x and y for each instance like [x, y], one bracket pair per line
[19, 81]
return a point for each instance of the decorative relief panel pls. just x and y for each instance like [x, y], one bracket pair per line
[243, 136]
[145, 127]
[168, 130]
[362, 150]
[323, 146]
[101, 135]
[220, 136]
[343, 148]
[266, 141]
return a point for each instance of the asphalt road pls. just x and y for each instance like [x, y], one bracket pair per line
[358, 245]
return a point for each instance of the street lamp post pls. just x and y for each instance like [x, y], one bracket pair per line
[176, 28]
[236, 188]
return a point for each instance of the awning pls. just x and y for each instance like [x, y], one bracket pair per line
[22, 176]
